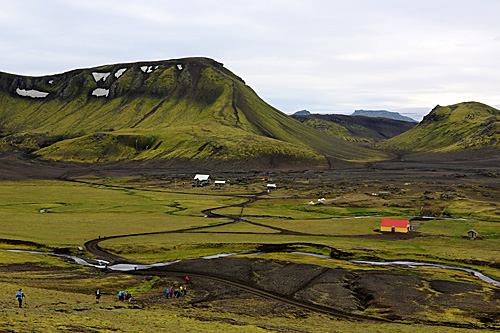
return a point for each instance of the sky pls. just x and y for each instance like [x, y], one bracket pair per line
[322, 56]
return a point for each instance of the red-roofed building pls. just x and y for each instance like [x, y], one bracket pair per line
[393, 225]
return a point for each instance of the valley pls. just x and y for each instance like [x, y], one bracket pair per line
[278, 290]
[99, 164]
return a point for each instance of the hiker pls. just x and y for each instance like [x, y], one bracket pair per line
[128, 297]
[187, 280]
[97, 296]
[19, 296]
[180, 290]
[185, 290]
[121, 296]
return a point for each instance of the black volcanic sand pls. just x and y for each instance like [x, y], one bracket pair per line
[394, 294]
[481, 166]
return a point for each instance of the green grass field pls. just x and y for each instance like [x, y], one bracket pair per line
[77, 212]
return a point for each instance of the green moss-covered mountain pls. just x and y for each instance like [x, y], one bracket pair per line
[463, 126]
[183, 110]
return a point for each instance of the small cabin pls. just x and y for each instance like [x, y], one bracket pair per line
[201, 180]
[271, 187]
[220, 183]
[393, 225]
[472, 234]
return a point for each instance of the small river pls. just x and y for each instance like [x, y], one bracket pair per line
[102, 264]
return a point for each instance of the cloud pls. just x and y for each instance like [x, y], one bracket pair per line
[319, 55]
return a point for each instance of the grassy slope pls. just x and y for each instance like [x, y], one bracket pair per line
[457, 127]
[201, 111]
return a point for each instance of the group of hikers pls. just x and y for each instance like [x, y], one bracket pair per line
[122, 296]
[177, 292]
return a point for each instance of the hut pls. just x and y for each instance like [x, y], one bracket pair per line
[220, 183]
[271, 187]
[393, 225]
[472, 234]
[201, 180]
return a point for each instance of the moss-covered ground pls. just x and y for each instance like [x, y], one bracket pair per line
[62, 215]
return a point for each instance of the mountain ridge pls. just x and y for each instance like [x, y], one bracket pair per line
[383, 114]
[188, 109]
[458, 127]
[356, 128]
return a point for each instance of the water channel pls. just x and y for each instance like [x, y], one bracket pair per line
[102, 264]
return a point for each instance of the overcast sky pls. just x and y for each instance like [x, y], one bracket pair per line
[323, 56]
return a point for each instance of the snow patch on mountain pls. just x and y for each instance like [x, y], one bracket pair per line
[120, 72]
[31, 93]
[101, 92]
[100, 76]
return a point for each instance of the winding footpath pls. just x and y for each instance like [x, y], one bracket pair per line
[93, 247]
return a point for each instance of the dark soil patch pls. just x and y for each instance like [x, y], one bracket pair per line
[334, 289]
[394, 294]
[278, 277]
[453, 287]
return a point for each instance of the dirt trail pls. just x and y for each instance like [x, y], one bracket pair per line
[94, 248]
[195, 270]
[268, 295]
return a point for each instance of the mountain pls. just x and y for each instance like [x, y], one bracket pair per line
[356, 129]
[383, 114]
[458, 127]
[190, 110]
[302, 113]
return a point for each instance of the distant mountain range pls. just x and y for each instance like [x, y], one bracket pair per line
[383, 114]
[302, 113]
[355, 129]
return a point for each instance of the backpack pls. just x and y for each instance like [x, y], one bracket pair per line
[19, 294]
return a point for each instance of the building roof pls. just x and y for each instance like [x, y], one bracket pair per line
[394, 223]
[201, 177]
[220, 182]
[271, 185]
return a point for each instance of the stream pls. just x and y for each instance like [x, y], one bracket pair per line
[102, 264]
